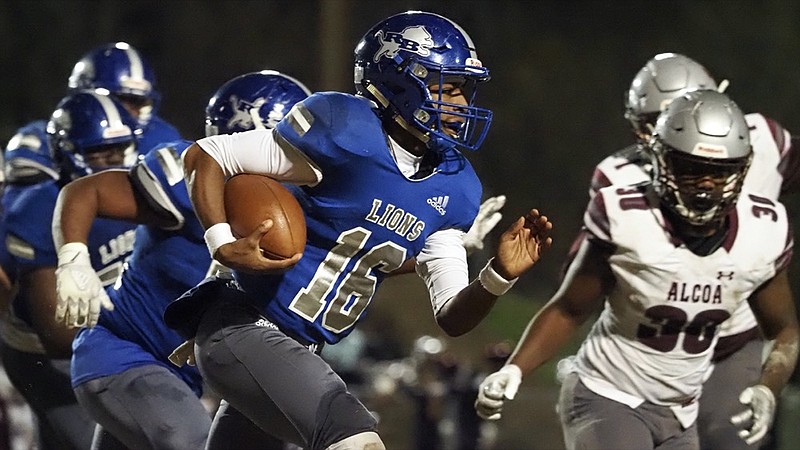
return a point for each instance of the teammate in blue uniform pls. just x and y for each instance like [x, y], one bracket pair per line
[125, 73]
[27, 162]
[381, 180]
[120, 368]
[88, 132]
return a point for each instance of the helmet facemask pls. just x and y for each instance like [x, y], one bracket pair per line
[701, 191]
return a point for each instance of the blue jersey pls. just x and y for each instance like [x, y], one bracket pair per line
[10, 194]
[156, 132]
[164, 264]
[364, 219]
[29, 239]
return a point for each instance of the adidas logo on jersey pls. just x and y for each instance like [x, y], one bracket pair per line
[439, 203]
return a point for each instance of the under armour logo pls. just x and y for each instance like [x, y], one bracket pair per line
[721, 275]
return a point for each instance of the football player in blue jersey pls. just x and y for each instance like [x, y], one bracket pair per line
[120, 368]
[88, 132]
[26, 162]
[382, 180]
[122, 70]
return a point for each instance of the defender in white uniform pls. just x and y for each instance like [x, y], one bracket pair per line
[773, 171]
[670, 261]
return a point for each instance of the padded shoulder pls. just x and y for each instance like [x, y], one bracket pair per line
[328, 124]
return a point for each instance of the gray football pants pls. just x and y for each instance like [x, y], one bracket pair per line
[145, 407]
[275, 381]
[593, 422]
[720, 398]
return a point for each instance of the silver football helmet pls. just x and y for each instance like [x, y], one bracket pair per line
[700, 152]
[665, 77]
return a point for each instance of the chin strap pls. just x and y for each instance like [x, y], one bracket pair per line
[386, 106]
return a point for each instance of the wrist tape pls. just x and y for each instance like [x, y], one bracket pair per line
[218, 235]
[493, 282]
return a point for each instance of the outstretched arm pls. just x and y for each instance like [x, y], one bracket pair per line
[520, 247]
[583, 291]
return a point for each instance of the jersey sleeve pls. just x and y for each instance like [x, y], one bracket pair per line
[596, 220]
[332, 129]
[789, 166]
[785, 258]
[29, 237]
[158, 178]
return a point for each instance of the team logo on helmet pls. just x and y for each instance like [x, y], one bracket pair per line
[246, 114]
[414, 39]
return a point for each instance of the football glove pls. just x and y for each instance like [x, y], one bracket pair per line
[79, 292]
[183, 354]
[495, 389]
[761, 411]
[488, 216]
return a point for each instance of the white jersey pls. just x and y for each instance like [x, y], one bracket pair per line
[770, 173]
[655, 338]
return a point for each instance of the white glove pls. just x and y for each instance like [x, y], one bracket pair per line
[761, 409]
[488, 217]
[183, 354]
[79, 291]
[495, 389]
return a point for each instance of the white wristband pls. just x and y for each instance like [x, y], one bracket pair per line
[218, 235]
[493, 282]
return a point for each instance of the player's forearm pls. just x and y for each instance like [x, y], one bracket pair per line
[544, 336]
[781, 360]
[106, 194]
[466, 309]
[205, 181]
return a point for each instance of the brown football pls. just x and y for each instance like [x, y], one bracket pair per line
[251, 199]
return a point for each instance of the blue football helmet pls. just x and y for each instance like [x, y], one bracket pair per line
[124, 72]
[401, 57]
[27, 156]
[251, 101]
[90, 131]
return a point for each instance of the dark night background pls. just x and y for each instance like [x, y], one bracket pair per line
[559, 70]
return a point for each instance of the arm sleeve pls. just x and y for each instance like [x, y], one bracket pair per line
[442, 264]
[261, 152]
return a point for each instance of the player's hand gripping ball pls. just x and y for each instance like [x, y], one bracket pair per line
[251, 199]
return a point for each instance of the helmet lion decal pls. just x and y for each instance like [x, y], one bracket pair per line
[415, 39]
